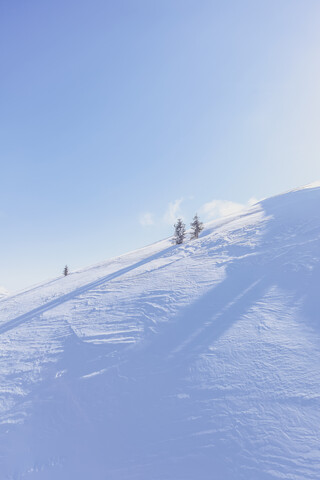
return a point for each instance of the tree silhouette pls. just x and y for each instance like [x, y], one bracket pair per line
[196, 227]
[179, 232]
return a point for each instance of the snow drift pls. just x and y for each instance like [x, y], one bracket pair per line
[199, 361]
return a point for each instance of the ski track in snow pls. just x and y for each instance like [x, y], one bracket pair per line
[197, 361]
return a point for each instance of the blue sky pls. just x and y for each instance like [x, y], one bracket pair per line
[117, 116]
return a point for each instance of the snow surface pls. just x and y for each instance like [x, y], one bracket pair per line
[199, 361]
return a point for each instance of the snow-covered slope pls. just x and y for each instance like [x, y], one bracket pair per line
[199, 361]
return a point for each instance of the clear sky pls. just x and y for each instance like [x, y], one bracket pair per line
[118, 116]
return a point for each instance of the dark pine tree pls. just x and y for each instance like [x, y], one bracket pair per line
[196, 227]
[65, 270]
[179, 232]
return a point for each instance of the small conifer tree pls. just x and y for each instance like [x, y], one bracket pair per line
[179, 232]
[65, 270]
[196, 227]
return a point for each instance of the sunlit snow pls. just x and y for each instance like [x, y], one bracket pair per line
[199, 361]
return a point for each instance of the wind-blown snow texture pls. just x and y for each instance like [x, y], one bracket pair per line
[199, 361]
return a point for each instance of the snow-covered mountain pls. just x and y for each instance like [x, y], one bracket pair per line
[199, 361]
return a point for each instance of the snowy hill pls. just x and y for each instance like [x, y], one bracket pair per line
[199, 361]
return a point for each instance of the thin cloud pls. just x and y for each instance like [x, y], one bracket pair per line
[222, 208]
[252, 201]
[146, 219]
[173, 211]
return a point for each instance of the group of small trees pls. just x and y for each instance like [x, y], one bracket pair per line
[179, 234]
[180, 230]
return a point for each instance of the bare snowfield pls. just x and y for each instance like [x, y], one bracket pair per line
[199, 361]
